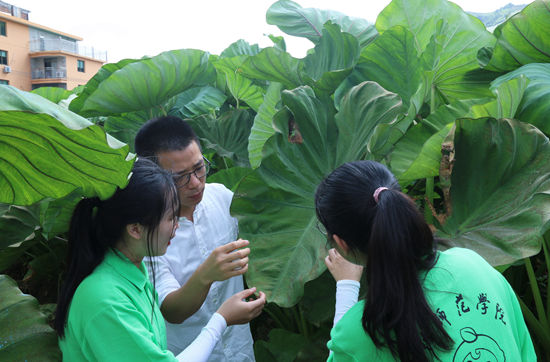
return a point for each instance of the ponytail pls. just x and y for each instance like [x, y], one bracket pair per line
[85, 253]
[97, 226]
[361, 202]
[397, 314]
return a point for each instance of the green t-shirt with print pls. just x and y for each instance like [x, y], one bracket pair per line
[112, 316]
[476, 305]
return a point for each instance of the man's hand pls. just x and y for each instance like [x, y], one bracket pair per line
[340, 268]
[225, 262]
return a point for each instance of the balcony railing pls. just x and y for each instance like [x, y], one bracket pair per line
[45, 45]
[49, 73]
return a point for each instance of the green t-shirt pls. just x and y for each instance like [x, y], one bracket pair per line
[476, 305]
[112, 317]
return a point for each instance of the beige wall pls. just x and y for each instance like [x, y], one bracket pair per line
[76, 78]
[16, 43]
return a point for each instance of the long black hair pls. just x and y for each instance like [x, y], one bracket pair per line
[398, 244]
[97, 226]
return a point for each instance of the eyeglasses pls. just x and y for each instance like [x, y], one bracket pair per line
[182, 179]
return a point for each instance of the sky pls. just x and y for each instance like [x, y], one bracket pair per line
[132, 29]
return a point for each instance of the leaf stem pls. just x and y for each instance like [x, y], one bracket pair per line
[430, 199]
[536, 293]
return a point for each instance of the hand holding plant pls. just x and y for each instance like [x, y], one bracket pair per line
[340, 268]
[225, 262]
[240, 309]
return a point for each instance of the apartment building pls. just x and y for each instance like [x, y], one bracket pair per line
[33, 55]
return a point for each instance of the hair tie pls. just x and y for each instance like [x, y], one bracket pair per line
[377, 192]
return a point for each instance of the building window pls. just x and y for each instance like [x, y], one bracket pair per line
[4, 82]
[3, 28]
[3, 57]
[80, 66]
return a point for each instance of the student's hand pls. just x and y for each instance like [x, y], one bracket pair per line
[240, 309]
[225, 262]
[340, 268]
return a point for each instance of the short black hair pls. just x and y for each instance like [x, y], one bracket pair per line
[166, 133]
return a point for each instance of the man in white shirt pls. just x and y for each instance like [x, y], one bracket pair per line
[203, 261]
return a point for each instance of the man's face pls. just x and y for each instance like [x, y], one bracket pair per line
[184, 161]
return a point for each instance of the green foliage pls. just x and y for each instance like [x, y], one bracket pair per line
[24, 333]
[274, 125]
[521, 39]
[506, 206]
[46, 157]
[292, 19]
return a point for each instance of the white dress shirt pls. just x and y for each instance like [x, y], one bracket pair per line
[213, 226]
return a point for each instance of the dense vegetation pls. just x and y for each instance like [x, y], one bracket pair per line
[461, 116]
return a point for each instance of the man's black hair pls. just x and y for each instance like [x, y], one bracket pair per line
[166, 133]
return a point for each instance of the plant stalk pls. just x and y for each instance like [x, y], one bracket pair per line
[430, 200]
[536, 294]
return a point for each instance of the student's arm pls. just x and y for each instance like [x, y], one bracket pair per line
[235, 310]
[347, 276]
[223, 263]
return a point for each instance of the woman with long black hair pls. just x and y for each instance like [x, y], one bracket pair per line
[421, 304]
[107, 308]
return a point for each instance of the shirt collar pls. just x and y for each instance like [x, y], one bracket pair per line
[123, 266]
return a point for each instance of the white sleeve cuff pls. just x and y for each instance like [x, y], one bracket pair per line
[347, 294]
[202, 346]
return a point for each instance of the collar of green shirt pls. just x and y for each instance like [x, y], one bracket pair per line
[123, 266]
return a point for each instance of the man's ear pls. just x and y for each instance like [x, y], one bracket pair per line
[342, 245]
[135, 230]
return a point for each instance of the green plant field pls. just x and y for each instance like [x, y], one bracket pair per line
[459, 114]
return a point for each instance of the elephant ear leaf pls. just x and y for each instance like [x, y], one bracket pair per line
[522, 39]
[308, 23]
[24, 331]
[275, 203]
[47, 157]
[500, 189]
[145, 83]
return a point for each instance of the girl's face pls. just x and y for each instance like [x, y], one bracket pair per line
[165, 232]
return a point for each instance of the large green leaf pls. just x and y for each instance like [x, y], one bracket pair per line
[240, 87]
[145, 83]
[365, 107]
[294, 20]
[227, 135]
[55, 215]
[392, 61]
[332, 59]
[508, 97]
[240, 47]
[24, 331]
[535, 104]
[125, 126]
[448, 39]
[500, 189]
[275, 204]
[274, 65]
[53, 94]
[521, 40]
[46, 157]
[262, 128]
[18, 224]
[103, 73]
[418, 154]
[230, 177]
[196, 101]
